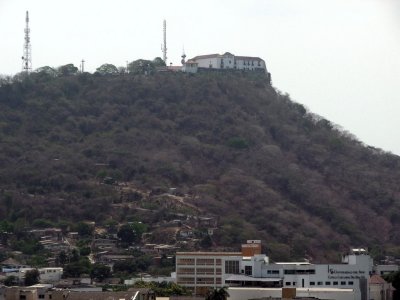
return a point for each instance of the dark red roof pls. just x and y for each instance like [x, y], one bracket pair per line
[376, 279]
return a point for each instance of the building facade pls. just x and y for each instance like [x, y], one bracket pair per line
[226, 61]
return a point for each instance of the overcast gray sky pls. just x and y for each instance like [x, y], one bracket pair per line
[340, 58]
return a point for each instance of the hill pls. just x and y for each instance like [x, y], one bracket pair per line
[232, 144]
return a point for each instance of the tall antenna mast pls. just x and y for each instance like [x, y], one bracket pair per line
[27, 58]
[164, 47]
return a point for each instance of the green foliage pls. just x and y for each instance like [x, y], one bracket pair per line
[11, 280]
[84, 229]
[27, 245]
[164, 289]
[107, 69]
[32, 277]
[131, 232]
[217, 294]
[47, 71]
[42, 223]
[67, 70]
[238, 143]
[77, 267]
[100, 272]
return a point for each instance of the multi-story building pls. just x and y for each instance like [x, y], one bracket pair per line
[200, 271]
[225, 61]
[250, 269]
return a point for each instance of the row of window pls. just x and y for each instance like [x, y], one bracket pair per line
[292, 272]
[199, 261]
[320, 283]
[232, 267]
[201, 280]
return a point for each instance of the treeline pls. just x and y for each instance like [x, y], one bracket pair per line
[137, 67]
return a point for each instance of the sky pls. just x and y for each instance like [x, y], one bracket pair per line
[339, 58]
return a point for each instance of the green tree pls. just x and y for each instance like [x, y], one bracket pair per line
[100, 272]
[206, 242]
[158, 62]
[126, 234]
[141, 66]
[394, 279]
[47, 70]
[67, 70]
[11, 280]
[107, 69]
[84, 229]
[32, 277]
[62, 258]
[217, 294]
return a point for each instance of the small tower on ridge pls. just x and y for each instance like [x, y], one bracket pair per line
[27, 56]
[164, 46]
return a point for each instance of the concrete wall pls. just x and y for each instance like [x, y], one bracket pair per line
[254, 293]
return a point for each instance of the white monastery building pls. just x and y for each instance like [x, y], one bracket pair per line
[226, 61]
[250, 273]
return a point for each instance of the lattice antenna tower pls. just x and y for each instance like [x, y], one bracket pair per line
[164, 46]
[27, 57]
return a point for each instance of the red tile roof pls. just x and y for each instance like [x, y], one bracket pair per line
[376, 279]
[206, 56]
[248, 58]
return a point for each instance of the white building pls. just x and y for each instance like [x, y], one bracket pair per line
[202, 270]
[225, 61]
[46, 275]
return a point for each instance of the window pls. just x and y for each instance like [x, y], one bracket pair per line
[248, 270]
[312, 283]
[327, 283]
[290, 272]
[22, 297]
[232, 267]
[275, 271]
[287, 283]
[294, 283]
[41, 296]
[343, 283]
[335, 283]
[320, 283]
[350, 282]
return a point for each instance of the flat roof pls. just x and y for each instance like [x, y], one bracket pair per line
[249, 278]
[293, 263]
[210, 253]
[298, 289]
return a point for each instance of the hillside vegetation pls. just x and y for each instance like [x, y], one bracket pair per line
[266, 166]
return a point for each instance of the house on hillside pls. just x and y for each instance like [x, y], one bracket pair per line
[226, 61]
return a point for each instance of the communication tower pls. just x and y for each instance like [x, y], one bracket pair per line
[27, 57]
[183, 60]
[164, 46]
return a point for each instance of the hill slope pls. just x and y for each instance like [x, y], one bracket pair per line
[269, 169]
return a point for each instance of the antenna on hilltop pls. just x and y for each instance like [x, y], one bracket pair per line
[27, 57]
[164, 47]
[183, 56]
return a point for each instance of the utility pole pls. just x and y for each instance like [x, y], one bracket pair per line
[164, 47]
[27, 57]
[82, 66]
